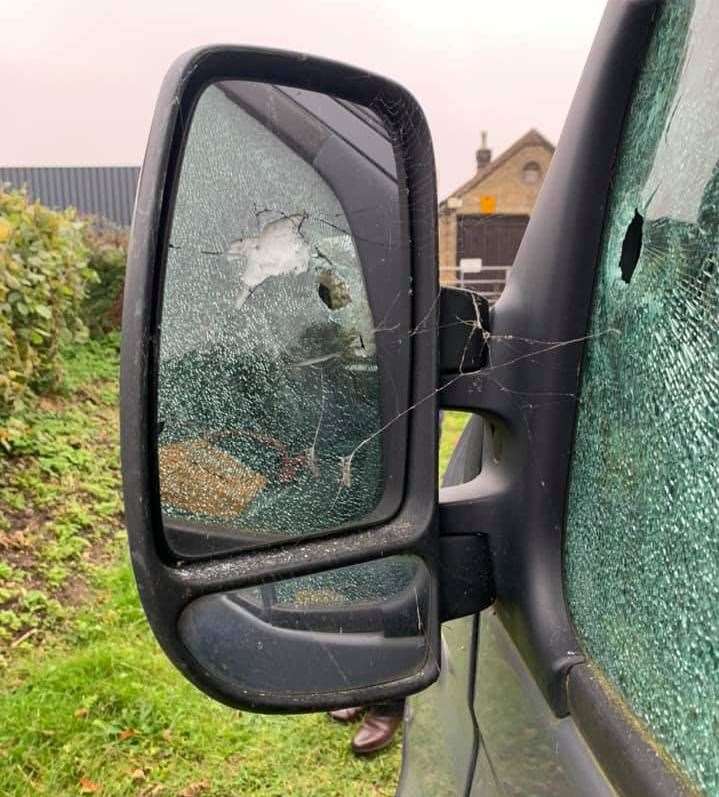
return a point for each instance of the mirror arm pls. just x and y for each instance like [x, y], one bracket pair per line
[463, 331]
[466, 579]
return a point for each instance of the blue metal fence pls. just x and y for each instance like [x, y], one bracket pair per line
[107, 191]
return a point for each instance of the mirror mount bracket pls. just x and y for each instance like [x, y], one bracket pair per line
[466, 580]
[466, 577]
[463, 331]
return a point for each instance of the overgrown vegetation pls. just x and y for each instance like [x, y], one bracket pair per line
[43, 271]
[60, 278]
[90, 705]
[107, 247]
[60, 505]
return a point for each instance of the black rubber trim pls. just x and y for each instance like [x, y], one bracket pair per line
[622, 746]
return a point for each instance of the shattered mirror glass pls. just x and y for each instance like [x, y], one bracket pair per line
[359, 625]
[270, 414]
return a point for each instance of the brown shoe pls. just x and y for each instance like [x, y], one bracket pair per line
[376, 732]
[346, 714]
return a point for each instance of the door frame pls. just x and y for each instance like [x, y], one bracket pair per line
[528, 394]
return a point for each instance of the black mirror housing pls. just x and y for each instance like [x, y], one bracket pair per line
[192, 580]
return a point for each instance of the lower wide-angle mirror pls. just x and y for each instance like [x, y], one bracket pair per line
[361, 625]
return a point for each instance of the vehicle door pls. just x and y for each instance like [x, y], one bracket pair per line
[596, 670]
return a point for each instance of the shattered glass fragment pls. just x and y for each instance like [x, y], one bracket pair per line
[269, 396]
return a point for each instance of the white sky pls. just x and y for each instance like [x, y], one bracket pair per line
[80, 77]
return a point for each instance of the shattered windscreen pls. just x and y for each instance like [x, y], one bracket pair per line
[269, 395]
[642, 540]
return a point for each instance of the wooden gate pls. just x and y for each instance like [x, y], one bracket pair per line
[495, 240]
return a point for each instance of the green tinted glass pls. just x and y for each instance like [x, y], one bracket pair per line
[642, 543]
[269, 392]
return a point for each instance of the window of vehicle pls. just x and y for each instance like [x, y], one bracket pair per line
[642, 538]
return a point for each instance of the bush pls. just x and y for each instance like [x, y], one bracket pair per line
[107, 245]
[44, 270]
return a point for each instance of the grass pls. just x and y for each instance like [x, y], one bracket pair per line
[60, 507]
[91, 705]
[105, 713]
[453, 424]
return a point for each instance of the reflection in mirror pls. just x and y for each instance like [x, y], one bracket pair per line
[361, 625]
[269, 400]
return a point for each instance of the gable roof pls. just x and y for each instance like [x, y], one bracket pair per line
[532, 138]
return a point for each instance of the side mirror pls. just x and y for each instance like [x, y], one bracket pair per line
[279, 366]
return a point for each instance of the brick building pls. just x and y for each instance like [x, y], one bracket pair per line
[481, 224]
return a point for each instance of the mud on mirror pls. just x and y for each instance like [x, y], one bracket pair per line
[274, 382]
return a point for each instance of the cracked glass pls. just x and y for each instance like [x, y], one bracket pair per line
[269, 392]
[642, 540]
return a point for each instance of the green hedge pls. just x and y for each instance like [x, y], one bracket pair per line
[107, 245]
[44, 271]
